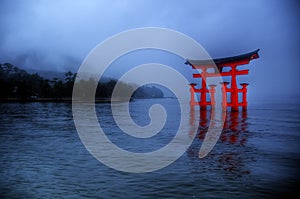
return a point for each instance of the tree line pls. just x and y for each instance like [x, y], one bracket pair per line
[16, 83]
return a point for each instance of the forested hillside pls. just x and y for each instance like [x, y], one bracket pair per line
[16, 83]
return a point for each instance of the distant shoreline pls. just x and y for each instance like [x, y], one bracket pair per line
[68, 100]
[47, 100]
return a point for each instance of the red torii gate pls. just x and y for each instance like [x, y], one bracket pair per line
[234, 91]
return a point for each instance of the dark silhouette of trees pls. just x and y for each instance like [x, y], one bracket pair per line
[17, 84]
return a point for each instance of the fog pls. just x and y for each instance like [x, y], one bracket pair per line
[58, 35]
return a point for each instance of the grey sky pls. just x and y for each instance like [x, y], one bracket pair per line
[57, 35]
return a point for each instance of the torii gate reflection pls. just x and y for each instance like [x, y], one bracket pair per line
[235, 126]
[235, 134]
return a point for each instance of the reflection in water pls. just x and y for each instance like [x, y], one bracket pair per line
[230, 149]
[235, 126]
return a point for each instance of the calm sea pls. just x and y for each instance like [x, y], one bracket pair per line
[42, 156]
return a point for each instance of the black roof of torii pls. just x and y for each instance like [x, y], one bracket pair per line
[222, 61]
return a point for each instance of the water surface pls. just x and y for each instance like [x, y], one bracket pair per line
[42, 155]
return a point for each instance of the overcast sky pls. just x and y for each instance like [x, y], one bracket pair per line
[57, 35]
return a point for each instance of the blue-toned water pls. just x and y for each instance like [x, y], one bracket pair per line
[42, 156]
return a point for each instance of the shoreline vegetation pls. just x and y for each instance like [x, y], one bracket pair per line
[51, 100]
[69, 100]
[17, 85]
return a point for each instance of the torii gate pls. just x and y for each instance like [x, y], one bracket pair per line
[232, 62]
